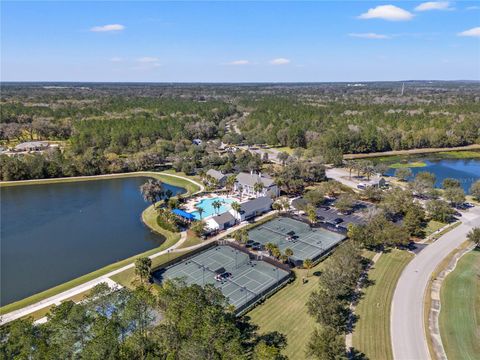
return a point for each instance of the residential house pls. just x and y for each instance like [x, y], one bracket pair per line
[251, 208]
[245, 185]
[32, 146]
[219, 176]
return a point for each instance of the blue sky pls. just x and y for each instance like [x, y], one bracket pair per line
[239, 41]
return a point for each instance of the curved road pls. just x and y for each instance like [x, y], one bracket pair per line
[407, 316]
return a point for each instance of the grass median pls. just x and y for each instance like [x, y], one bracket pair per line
[460, 309]
[372, 330]
[149, 217]
[286, 312]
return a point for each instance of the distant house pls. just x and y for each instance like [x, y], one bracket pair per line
[219, 176]
[197, 141]
[220, 222]
[245, 184]
[32, 146]
[250, 209]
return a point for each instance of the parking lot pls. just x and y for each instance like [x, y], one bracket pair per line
[330, 215]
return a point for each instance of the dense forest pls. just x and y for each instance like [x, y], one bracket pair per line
[109, 128]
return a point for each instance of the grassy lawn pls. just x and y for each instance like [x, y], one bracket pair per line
[414, 164]
[372, 331]
[191, 241]
[149, 216]
[433, 226]
[460, 312]
[286, 312]
[126, 278]
[191, 188]
[286, 149]
[170, 239]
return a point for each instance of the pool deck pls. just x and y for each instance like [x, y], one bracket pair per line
[25, 311]
[190, 204]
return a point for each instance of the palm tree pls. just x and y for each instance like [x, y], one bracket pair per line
[269, 247]
[276, 206]
[237, 235]
[258, 187]
[236, 207]
[240, 191]
[369, 170]
[284, 203]
[311, 214]
[308, 264]
[200, 211]
[216, 205]
[351, 166]
[276, 252]
[244, 236]
[230, 183]
[289, 252]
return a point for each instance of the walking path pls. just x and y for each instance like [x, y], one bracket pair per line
[408, 335]
[349, 336]
[56, 299]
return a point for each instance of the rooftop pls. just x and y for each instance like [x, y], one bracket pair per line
[251, 179]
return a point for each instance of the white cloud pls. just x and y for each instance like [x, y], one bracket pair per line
[434, 5]
[239, 62]
[105, 28]
[475, 32]
[116, 59]
[387, 12]
[473, 8]
[369, 36]
[280, 61]
[147, 59]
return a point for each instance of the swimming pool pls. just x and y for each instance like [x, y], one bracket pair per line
[208, 209]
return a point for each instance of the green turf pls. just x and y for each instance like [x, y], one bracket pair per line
[460, 309]
[286, 312]
[372, 330]
[414, 164]
[433, 226]
[127, 278]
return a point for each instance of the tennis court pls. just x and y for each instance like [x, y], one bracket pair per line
[306, 242]
[248, 282]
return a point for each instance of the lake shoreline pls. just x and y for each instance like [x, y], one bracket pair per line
[473, 147]
[188, 185]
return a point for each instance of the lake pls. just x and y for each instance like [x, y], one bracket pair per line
[467, 171]
[54, 233]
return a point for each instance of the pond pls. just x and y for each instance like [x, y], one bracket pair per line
[56, 232]
[467, 171]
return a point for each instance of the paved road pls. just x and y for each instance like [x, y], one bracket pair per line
[407, 317]
[342, 176]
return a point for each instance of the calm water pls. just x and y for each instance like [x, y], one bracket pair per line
[465, 170]
[54, 233]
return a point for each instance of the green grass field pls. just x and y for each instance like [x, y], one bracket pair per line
[433, 226]
[286, 312]
[413, 164]
[460, 311]
[372, 330]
